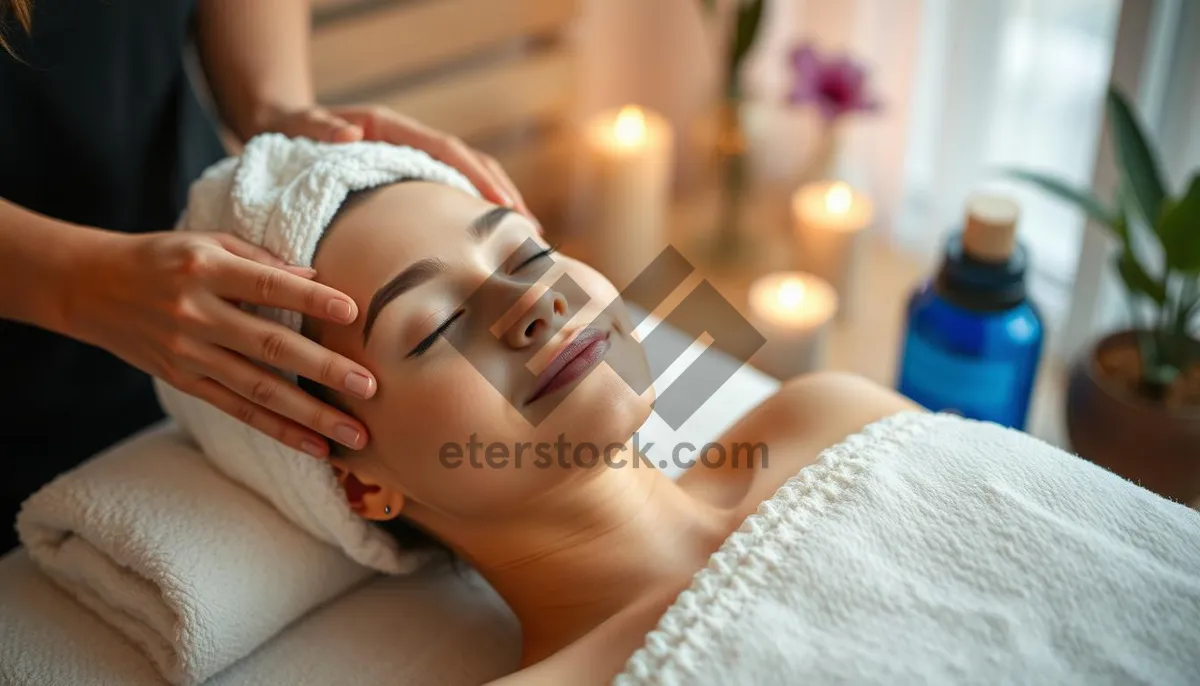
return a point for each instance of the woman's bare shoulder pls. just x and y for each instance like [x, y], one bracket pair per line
[829, 405]
[598, 657]
[789, 430]
[591, 661]
[541, 674]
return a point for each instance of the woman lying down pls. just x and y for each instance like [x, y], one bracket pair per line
[875, 543]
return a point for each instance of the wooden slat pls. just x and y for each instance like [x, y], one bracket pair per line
[541, 169]
[482, 101]
[382, 44]
[320, 7]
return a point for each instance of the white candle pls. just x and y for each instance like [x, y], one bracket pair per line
[792, 311]
[829, 219]
[630, 152]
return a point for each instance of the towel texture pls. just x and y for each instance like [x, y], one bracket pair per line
[937, 550]
[405, 630]
[191, 568]
[281, 194]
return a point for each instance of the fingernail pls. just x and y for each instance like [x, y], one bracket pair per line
[347, 435]
[359, 385]
[312, 449]
[340, 310]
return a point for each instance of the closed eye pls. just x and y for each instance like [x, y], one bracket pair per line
[535, 257]
[429, 340]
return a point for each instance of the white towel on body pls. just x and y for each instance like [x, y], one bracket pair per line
[930, 549]
[191, 568]
[281, 194]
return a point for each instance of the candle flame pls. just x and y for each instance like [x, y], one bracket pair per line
[838, 198]
[630, 127]
[791, 292]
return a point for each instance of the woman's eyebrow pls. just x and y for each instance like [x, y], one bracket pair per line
[425, 269]
[414, 275]
[487, 222]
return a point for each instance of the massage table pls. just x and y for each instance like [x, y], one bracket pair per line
[439, 626]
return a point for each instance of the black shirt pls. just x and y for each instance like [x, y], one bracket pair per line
[99, 125]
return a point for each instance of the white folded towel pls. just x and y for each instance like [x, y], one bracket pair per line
[281, 193]
[190, 567]
[931, 549]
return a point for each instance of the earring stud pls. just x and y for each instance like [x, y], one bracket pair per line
[387, 509]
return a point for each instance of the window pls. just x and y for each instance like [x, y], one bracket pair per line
[1007, 83]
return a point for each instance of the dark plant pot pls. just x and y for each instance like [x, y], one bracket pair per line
[1147, 443]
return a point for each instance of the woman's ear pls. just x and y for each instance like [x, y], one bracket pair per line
[366, 495]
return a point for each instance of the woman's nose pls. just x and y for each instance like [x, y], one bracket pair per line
[538, 324]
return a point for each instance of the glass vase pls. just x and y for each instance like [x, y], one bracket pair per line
[730, 245]
[822, 161]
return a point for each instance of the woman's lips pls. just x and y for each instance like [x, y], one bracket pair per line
[575, 360]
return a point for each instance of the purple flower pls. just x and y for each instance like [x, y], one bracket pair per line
[837, 85]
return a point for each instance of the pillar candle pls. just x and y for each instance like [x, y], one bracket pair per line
[792, 310]
[630, 152]
[829, 218]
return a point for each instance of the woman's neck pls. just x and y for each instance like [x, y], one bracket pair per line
[582, 553]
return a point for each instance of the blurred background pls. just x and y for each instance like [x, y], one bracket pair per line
[630, 125]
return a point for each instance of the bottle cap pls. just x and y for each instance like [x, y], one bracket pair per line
[991, 228]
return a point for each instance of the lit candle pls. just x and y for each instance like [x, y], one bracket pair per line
[792, 311]
[829, 219]
[630, 151]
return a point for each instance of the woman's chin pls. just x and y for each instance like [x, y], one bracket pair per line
[601, 408]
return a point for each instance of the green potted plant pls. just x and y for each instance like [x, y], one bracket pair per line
[1133, 399]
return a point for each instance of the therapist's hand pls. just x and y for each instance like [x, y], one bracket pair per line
[377, 123]
[167, 304]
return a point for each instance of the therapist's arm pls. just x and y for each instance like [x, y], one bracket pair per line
[167, 303]
[256, 61]
[36, 253]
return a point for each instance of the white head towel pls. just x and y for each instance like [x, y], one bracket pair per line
[281, 193]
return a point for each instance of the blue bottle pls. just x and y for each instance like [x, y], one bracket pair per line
[973, 338]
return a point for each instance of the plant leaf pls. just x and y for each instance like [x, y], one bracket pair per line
[1082, 199]
[749, 16]
[1136, 160]
[1179, 230]
[709, 5]
[1137, 280]
[1187, 310]
[1125, 203]
[1162, 375]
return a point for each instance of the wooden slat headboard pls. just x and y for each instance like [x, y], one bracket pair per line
[497, 73]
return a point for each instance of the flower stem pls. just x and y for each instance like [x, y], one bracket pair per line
[733, 173]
